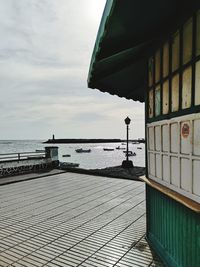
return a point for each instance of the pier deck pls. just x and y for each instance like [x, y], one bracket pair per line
[71, 220]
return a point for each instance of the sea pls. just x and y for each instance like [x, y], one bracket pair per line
[96, 159]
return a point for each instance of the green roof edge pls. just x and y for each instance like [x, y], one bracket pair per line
[100, 34]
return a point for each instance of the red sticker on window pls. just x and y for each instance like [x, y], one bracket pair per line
[185, 130]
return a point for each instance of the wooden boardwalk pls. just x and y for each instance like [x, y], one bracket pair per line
[71, 220]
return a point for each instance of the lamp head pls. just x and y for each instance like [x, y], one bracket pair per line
[127, 121]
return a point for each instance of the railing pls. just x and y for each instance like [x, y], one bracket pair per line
[22, 156]
[26, 162]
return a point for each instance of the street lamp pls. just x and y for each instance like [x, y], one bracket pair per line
[127, 122]
[127, 163]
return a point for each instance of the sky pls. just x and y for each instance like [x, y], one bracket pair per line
[45, 52]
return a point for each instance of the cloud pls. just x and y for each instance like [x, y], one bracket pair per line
[45, 51]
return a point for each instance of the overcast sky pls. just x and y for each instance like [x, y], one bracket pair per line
[45, 52]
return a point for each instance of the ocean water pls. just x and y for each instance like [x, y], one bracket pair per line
[97, 158]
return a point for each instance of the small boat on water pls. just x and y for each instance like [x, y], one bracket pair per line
[81, 150]
[65, 165]
[130, 153]
[66, 155]
[39, 150]
[122, 148]
[139, 147]
[108, 149]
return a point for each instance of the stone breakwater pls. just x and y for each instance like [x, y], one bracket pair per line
[115, 172]
[118, 171]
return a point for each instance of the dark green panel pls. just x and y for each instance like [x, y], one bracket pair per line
[173, 230]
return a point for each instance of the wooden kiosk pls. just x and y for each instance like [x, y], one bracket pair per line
[150, 51]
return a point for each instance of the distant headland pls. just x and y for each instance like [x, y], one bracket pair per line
[82, 141]
[79, 141]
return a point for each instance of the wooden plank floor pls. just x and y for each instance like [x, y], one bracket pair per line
[71, 220]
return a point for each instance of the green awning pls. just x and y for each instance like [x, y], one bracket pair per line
[129, 32]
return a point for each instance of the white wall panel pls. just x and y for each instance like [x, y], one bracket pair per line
[196, 137]
[186, 182]
[196, 177]
[198, 34]
[151, 101]
[157, 66]
[175, 51]
[197, 83]
[165, 97]
[186, 144]
[151, 67]
[151, 138]
[158, 138]
[174, 136]
[165, 137]
[152, 164]
[165, 59]
[175, 93]
[187, 41]
[175, 171]
[174, 154]
[158, 166]
[186, 88]
[166, 169]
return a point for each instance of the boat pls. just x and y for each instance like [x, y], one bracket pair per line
[130, 153]
[122, 148]
[108, 149]
[139, 147]
[81, 150]
[35, 157]
[65, 165]
[66, 155]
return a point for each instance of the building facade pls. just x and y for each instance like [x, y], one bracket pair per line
[150, 52]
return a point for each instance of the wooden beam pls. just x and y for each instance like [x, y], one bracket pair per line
[189, 203]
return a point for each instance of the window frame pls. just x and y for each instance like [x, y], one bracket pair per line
[182, 67]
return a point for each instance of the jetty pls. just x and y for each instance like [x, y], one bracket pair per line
[86, 141]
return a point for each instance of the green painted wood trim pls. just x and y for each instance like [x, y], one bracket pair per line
[173, 230]
[195, 109]
[157, 246]
[100, 35]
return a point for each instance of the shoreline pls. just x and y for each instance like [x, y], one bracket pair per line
[81, 141]
[87, 141]
[112, 172]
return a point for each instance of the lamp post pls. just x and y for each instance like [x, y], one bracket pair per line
[127, 163]
[127, 122]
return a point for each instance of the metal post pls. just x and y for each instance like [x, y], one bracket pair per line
[127, 142]
[52, 155]
[126, 163]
